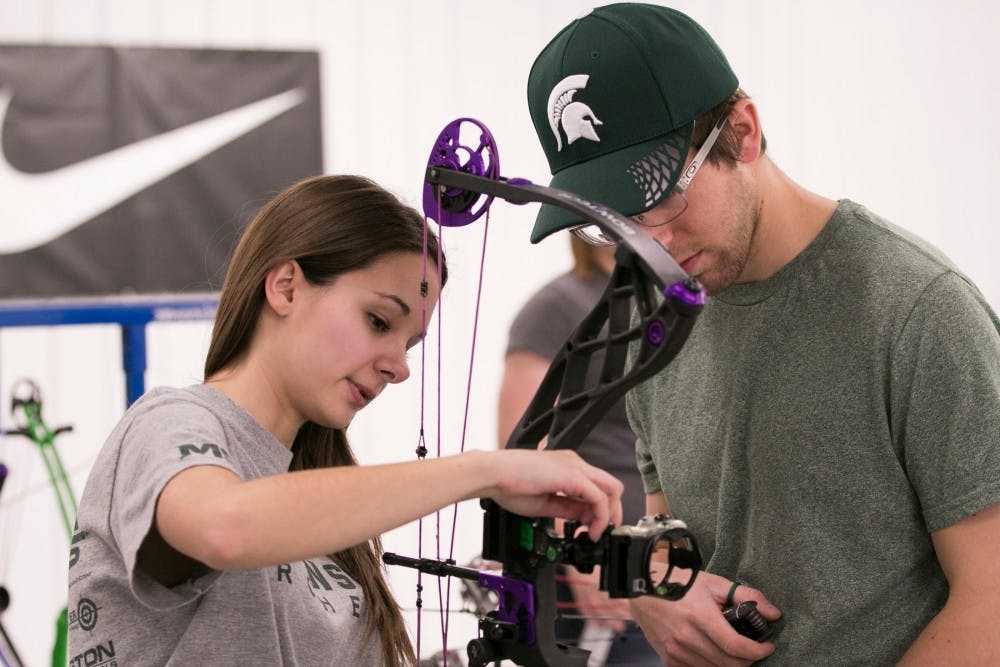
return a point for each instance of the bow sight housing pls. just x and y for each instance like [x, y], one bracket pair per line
[658, 556]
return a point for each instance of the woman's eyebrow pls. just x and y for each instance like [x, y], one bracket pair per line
[392, 297]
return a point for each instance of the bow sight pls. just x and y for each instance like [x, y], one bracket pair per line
[643, 318]
[657, 556]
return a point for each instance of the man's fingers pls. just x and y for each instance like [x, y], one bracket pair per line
[744, 593]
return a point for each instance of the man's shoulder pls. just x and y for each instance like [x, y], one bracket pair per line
[876, 261]
[887, 248]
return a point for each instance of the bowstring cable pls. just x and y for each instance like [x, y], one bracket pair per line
[421, 442]
[442, 608]
[444, 589]
[421, 446]
[468, 400]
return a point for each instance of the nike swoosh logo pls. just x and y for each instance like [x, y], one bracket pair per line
[36, 208]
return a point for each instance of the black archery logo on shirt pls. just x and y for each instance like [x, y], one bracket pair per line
[203, 449]
[84, 616]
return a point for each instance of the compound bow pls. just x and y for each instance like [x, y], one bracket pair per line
[649, 305]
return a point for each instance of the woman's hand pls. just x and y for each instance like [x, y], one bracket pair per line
[557, 484]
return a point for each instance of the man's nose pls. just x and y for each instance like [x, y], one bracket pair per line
[662, 233]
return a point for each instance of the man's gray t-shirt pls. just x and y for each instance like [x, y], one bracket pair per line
[818, 426]
[303, 613]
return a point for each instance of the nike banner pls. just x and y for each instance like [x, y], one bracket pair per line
[128, 170]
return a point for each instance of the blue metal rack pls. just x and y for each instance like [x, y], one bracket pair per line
[131, 313]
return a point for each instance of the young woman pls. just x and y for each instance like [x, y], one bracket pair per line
[227, 522]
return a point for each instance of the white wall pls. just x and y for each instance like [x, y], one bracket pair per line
[889, 103]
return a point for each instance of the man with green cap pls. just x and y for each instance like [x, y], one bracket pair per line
[831, 430]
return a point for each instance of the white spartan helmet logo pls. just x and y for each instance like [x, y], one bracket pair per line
[576, 118]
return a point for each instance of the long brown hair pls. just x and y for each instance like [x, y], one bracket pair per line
[330, 225]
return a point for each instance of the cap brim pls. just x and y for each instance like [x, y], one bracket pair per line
[630, 181]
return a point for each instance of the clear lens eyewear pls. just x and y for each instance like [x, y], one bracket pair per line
[592, 234]
[675, 203]
[672, 206]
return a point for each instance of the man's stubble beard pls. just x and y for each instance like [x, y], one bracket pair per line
[742, 220]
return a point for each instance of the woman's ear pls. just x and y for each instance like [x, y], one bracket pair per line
[279, 286]
[744, 121]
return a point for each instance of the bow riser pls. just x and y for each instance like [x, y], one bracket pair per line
[563, 408]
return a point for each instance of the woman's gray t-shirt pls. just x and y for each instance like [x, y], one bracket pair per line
[303, 613]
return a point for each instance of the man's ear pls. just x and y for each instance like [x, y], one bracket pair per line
[280, 284]
[744, 121]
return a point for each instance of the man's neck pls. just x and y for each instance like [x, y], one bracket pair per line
[790, 218]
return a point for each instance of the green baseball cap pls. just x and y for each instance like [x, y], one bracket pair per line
[613, 98]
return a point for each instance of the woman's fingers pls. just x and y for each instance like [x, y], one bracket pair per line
[560, 484]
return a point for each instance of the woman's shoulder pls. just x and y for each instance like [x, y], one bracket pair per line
[197, 396]
[167, 406]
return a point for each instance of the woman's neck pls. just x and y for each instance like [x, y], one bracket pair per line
[248, 385]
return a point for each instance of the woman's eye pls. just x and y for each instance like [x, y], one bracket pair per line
[378, 323]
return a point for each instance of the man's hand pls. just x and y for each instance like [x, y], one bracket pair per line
[692, 632]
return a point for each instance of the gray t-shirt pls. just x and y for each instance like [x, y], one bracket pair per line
[820, 424]
[302, 613]
[542, 326]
